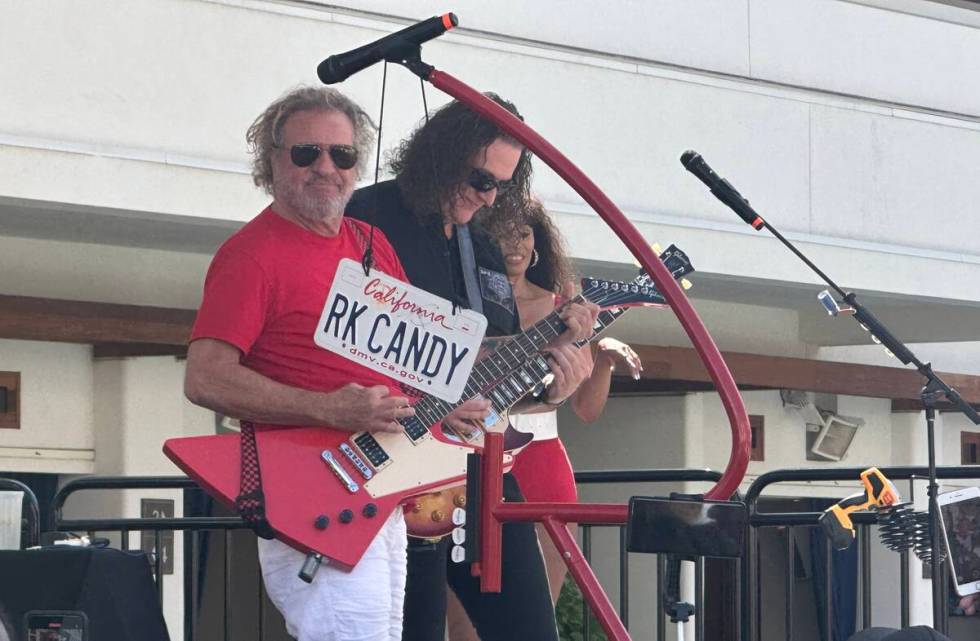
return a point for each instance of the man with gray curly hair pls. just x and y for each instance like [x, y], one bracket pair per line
[317, 194]
[252, 353]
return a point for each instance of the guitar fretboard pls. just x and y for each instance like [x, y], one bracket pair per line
[530, 373]
[499, 364]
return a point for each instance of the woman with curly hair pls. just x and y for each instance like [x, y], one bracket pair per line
[541, 275]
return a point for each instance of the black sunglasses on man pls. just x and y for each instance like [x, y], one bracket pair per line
[304, 155]
[483, 181]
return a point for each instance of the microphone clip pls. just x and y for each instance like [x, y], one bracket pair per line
[832, 306]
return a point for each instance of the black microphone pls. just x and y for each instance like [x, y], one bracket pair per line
[721, 188]
[341, 66]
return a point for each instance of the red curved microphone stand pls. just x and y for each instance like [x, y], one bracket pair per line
[493, 511]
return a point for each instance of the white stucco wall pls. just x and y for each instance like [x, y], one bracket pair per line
[821, 165]
[56, 408]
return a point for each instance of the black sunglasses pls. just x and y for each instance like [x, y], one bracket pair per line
[344, 156]
[483, 181]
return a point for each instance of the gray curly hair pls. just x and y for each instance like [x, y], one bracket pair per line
[265, 134]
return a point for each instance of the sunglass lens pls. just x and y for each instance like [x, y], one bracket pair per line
[344, 156]
[304, 155]
[481, 181]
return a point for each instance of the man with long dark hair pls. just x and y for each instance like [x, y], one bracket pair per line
[456, 163]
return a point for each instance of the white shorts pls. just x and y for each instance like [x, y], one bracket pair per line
[364, 604]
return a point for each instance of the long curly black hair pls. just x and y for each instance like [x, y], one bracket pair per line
[432, 164]
[553, 268]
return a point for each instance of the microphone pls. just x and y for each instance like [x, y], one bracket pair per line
[721, 188]
[341, 66]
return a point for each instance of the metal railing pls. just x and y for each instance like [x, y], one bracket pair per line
[751, 584]
[31, 520]
[124, 526]
[195, 526]
[748, 592]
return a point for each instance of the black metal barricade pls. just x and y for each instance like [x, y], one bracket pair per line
[751, 589]
[748, 593]
[194, 527]
[31, 517]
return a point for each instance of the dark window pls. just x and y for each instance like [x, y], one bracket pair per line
[757, 424]
[969, 448]
[9, 397]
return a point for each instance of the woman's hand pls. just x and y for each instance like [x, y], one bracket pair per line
[969, 604]
[612, 350]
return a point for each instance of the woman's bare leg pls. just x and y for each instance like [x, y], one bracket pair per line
[458, 626]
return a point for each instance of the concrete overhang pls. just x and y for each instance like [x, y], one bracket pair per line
[913, 319]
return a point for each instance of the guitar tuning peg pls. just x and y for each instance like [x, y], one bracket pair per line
[459, 516]
[685, 283]
[459, 536]
[458, 554]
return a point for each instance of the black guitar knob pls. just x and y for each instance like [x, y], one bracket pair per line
[346, 516]
[321, 522]
[370, 510]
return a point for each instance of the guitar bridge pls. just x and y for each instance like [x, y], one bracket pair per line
[339, 471]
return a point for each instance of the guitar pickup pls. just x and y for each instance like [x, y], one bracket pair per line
[372, 450]
[357, 461]
[339, 471]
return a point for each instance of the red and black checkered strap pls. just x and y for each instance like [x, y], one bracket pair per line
[251, 501]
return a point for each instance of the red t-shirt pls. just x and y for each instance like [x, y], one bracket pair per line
[265, 291]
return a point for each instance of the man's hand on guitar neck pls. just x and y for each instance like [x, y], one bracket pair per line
[570, 366]
[468, 416]
[580, 321]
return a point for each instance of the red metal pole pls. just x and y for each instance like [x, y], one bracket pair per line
[491, 496]
[592, 513]
[587, 582]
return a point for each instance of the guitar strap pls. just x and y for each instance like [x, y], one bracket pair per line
[250, 501]
[468, 263]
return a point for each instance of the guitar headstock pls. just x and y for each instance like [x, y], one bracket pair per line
[641, 291]
[617, 293]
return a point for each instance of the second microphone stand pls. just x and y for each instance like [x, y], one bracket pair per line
[934, 390]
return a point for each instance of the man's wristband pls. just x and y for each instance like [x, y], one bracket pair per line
[539, 396]
[544, 400]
